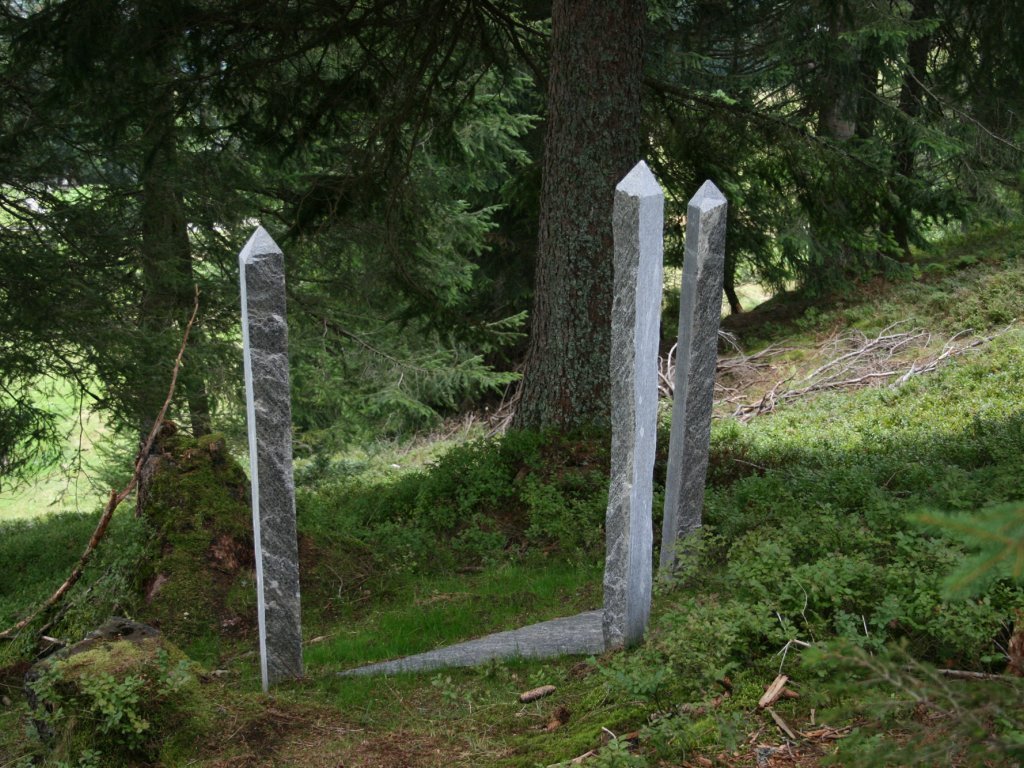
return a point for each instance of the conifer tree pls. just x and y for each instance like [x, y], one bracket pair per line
[593, 138]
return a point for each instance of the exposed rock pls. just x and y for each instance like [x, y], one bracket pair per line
[112, 630]
[123, 691]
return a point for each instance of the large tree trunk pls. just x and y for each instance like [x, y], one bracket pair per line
[836, 102]
[593, 139]
[911, 94]
[837, 95]
[167, 269]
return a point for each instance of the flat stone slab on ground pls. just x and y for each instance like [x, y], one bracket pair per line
[579, 635]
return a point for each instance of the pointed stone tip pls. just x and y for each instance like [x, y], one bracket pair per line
[639, 182]
[258, 244]
[708, 196]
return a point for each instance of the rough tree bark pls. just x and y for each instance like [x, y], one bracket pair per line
[911, 95]
[167, 269]
[593, 138]
[837, 96]
[729, 283]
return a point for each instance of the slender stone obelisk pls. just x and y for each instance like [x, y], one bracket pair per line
[700, 309]
[637, 223]
[268, 403]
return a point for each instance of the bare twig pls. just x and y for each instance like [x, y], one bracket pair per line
[961, 674]
[773, 692]
[115, 497]
[501, 418]
[736, 366]
[856, 361]
[783, 725]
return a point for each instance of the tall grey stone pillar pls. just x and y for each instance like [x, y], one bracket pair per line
[638, 218]
[700, 309]
[268, 404]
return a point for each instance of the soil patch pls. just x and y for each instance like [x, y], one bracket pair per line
[280, 735]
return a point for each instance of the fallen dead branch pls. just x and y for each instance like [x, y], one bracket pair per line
[115, 497]
[827, 733]
[961, 674]
[783, 725]
[501, 418]
[579, 758]
[853, 360]
[773, 692]
[736, 367]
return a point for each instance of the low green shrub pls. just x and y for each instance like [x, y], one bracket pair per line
[485, 502]
[909, 714]
[849, 524]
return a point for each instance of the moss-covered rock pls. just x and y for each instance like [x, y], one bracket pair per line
[200, 585]
[123, 696]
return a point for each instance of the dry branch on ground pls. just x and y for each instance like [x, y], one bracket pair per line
[773, 692]
[852, 360]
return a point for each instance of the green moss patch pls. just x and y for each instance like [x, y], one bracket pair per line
[122, 702]
[200, 586]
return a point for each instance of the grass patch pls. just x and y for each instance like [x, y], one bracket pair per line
[63, 485]
[476, 714]
[36, 556]
[435, 611]
[974, 281]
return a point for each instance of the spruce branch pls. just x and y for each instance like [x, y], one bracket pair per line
[115, 498]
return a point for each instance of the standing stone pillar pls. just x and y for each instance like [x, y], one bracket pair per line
[637, 218]
[268, 404]
[700, 309]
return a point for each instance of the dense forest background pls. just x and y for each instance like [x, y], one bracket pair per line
[427, 167]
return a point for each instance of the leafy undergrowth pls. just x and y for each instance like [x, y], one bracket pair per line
[855, 541]
[482, 503]
[830, 554]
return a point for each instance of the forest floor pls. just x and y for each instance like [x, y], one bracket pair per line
[842, 426]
